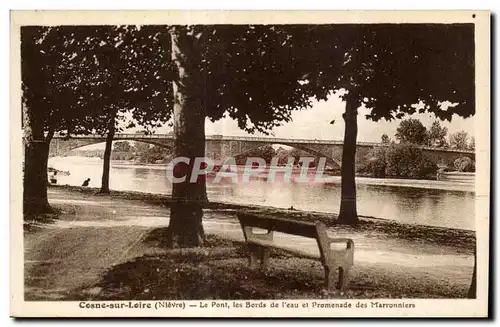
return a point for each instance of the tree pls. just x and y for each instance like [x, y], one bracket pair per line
[375, 162]
[464, 164]
[157, 153]
[141, 151]
[394, 70]
[122, 146]
[282, 155]
[361, 63]
[436, 136]
[185, 228]
[296, 154]
[73, 84]
[50, 102]
[472, 293]
[138, 73]
[251, 73]
[385, 139]
[411, 131]
[408, 161]
[459, 140]
[259, 74]
[472, 143]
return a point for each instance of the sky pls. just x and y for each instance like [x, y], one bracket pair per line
[314, 123]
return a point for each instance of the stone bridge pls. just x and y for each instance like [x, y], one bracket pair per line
[220, 147]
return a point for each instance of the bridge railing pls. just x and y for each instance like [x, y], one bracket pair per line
[130, 136]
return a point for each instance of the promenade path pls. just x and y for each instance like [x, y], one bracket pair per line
[95, 233]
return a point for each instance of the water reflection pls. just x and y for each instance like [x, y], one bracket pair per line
[407, 204]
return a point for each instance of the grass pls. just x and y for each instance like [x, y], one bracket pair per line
[220, 271]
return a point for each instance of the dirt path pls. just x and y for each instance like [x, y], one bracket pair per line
[95, 233]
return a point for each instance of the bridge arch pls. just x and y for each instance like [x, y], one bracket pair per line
[80, 143]
[329, 160]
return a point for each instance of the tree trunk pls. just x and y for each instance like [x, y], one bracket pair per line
[107, 156]
[36, 155]
[185, 228]
[473, 288]
[35, 200]
[348, 212]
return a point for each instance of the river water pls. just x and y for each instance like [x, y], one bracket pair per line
[434, 203]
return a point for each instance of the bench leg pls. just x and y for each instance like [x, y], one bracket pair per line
[343, 278]
[258, 256]
[264, 257]
[253, 255]
[333, 283]
[330, 278]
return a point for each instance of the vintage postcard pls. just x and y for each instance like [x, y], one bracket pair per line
[250, 163]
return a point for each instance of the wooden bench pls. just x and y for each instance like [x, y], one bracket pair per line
[333, 260]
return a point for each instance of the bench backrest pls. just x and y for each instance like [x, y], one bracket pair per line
[270, 223]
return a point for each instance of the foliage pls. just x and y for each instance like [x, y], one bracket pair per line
[122, 146]
[282, 154]
[459, 140]
[96, 76]
[392, 70]
[385, 139]
[436, 136]
[266, 152]
[127, 156]
[472, 143]
[411, 131]
[252, 73]
[464, 164]
[154, 154]
[142, 152]
[80, 75]
[366, 61]
[375, 163]
[132, 68]
[141, 147]
[408, 162]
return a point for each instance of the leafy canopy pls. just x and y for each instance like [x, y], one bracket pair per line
[459, 140]
[76, 77]
[394, 69]
[436, 136]
[411, 131]
[255, 74]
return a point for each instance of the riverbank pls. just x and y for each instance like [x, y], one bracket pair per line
[110, 247]
[224, 210]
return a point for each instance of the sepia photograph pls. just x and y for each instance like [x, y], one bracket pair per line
[250, 164]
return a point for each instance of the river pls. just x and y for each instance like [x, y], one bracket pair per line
[434, 203]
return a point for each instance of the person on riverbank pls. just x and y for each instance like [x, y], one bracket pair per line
[86, 182]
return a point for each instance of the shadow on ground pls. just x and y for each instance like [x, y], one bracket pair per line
[220, 271]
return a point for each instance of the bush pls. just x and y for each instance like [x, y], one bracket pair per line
[409, 162]
[374, 163]
[464, 164]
